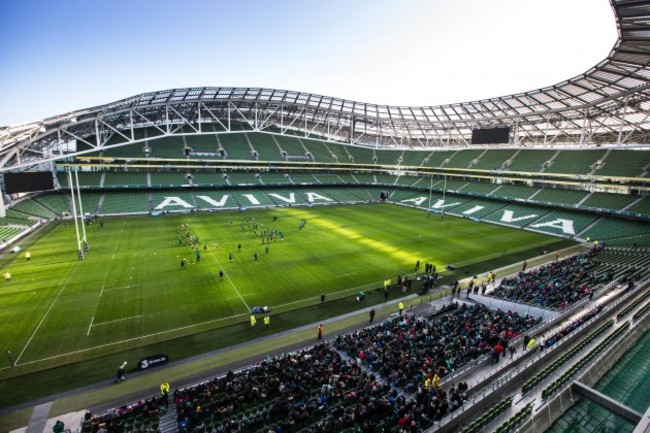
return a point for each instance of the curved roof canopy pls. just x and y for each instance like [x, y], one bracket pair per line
[608, 104]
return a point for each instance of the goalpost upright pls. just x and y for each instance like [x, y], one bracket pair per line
[82, 242]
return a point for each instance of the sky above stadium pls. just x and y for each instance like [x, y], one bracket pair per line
[60, 56]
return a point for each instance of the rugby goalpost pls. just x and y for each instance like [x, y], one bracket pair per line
[82, 241]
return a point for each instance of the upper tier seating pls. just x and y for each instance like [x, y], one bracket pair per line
[575, 162]
[563, 196]
[493, 159]
[125, 179]
[603, 200]
[463, 158]
[626, 163]
[528, 160]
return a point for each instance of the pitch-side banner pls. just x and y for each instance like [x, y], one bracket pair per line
[153, 361]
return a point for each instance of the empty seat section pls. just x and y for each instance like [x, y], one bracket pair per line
[8, 232]
[59, 203]
[399, 195]
[517, 215]
[303, 179]
[346, 179]
[344, 195]
[250, 198]
[203, 146]
[274, 179]
[603, 200]
[448, 203]
[450, 184]
[320, 152]
[211, 199]
[208, 178]
[478, 208]
[90, 202]
[365, 179]
[482, 188]
[610, 228]
[642, 240]
[125, 179]
[361, 155]
[563, 223]
[575, 161]
[388, 157]
[564, 196]
[133, 150]
[332, 179]
[494, 159]
[88, 179]
[340, 151]
[239, 178]
[167, 147]
[386, 179]
[438, 158]
[463, 158]
[32, 207]
[530, 160]
[366, 194]
[172, 200]
[125, 202]
[292, 147]
[514, 191]
[414, 181]
[282, 197]
[16, 218]
[625, 163]
[236, 146]
[642, 207]
[168, 178]
[62, 178]
[414, 158]
[265, 146]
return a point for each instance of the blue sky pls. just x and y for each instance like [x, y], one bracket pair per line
[59, 56]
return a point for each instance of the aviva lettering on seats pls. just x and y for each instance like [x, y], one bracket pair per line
[226, 200]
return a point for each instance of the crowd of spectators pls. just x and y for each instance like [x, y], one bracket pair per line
[143, 414]
[554, 285]
[314, 389]
[405, 350]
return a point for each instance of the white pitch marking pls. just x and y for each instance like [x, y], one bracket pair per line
[182, 328]
[118, 320]
[132, 339]
[46, 313]
[231, 282]
[90, 326]
[101, 291]
[237, 297]
[110, 289]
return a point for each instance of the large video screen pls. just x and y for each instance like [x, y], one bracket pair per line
[28, 181]
[491, 135]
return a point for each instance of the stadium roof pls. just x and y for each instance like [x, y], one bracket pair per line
[608, 104]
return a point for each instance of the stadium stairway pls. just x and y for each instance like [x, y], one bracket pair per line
[168, 423]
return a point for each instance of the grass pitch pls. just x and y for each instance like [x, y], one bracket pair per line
[130, 298]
